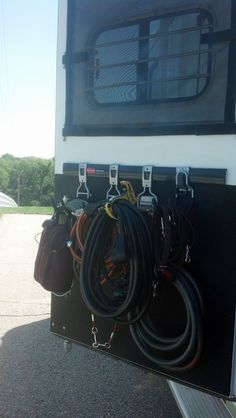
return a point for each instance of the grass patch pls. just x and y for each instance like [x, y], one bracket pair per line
[30, 210]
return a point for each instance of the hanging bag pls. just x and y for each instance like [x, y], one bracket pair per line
[53, 267]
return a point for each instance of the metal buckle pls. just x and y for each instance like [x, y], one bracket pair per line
[83, 189]
[113, 181]
[182, 182]
[146, 200]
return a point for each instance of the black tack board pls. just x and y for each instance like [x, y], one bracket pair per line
[213, 264]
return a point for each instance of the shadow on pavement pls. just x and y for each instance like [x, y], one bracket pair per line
[38, 379]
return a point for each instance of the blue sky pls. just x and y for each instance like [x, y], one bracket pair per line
[27, 76]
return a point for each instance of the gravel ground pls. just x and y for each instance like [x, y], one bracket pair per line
[37, 378]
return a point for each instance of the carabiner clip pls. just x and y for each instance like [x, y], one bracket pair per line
[183, 187]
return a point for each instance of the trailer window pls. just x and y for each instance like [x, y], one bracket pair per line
[157, 60]
[150, 67]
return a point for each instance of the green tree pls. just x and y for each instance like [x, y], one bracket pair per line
[4, 175]
[29, 180]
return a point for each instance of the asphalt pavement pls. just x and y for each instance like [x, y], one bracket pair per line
[37, 378]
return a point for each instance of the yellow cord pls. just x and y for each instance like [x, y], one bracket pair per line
[109, 212]
[127, 195]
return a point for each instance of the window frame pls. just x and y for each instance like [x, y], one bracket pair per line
[145, 22]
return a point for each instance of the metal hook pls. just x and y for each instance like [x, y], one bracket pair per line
[113, 181]
[146, 200]
[83, 181]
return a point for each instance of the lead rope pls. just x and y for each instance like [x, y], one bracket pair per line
[94, 331]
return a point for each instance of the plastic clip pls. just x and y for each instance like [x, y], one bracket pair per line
[113, 180]
[182, 182]
[83, 189]
[146, 200]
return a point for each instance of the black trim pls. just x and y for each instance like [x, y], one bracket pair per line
[165, 129]
[69, 72]
[227, 35]
[231, 88]
[129, 172]
[142, 68]
[77, 58]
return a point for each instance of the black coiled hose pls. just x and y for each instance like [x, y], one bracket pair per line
[131, 225]
[181, 352]
[172, 236]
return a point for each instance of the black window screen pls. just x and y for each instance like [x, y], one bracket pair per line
[116, 55]
[159, 59]
[150, 67]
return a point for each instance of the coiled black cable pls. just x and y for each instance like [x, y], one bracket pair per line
[137, 247]
[173, 236]
[181, 352]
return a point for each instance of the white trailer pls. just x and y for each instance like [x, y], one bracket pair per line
[149, 86]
